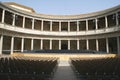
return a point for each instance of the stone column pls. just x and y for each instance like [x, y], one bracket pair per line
[22, 45]
[1, 44]
[59, 44]
[32, 41]
[117, 23]
[42, 25]
[97, 45]
[68, 44]
[118, 45]
[96, 24]
[86, 25]
[13, 23]
[78, 44]
[50, 44]
[41, 44]
[12, 45]
[59, 26]
[3, 16]
[68, 26]
[87, 44]
[107, 45]
[78, 26]
[33, 20]
[106, 22]
[23, 22]
[50, 25]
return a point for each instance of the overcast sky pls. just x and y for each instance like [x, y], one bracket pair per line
[67, 7]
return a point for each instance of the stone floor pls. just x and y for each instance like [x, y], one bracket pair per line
[64, 72]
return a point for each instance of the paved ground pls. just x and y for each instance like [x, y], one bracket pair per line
[64, 72]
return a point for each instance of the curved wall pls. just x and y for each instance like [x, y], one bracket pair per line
[20, 31]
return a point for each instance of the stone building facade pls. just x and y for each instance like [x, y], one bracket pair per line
[21, 29]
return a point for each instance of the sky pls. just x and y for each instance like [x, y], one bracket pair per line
[67, 7]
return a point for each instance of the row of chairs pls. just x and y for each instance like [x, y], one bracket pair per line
[27, 68]
[96, 68]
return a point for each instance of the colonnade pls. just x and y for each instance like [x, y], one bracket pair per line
[106, 21]
[17, 44]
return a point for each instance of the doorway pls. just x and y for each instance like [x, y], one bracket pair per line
[64, 47]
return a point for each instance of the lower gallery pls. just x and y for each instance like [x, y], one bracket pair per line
[28, 38]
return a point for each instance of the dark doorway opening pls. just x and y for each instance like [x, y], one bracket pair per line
[64, 47]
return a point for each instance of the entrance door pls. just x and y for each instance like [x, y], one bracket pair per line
[64, 47]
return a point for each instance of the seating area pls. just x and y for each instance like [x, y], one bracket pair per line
[97, 69]
[27, 68]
